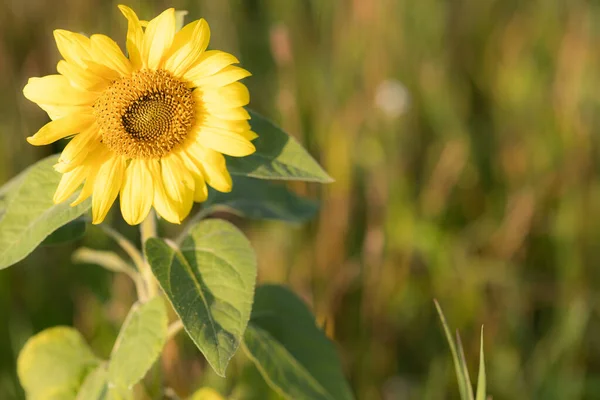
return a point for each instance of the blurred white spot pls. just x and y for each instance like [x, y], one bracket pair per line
[392, 98]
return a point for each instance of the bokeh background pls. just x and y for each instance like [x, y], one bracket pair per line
[463, 137]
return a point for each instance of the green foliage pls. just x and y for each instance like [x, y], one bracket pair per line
[460, 364]
[54, 363]
[277, 156]
[291, 352]
[259, 199]
[29, 214]
[481, 379]
[210, 282]
[139, 344]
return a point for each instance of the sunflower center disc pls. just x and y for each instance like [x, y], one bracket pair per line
[145, 115]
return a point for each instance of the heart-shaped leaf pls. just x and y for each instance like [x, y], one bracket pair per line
[54, 363]
[210, 283]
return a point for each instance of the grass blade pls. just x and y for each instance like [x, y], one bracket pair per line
[463, 366]
[459, 374]
[481, 379]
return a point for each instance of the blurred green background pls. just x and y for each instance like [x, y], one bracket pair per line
[463, 137]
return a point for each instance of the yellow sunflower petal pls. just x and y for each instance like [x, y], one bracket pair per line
[61, 128]
[135, 36]
[78, 148]
[226, 142]
[93, 163]
[176, 178]
[240, 126]
[158, 38]
[69, 184]
[230, 96]
[136, 192]
[87, 190]
[249, 135]
[230, 114]
[194, 43]
[55, 89]
[164, 206]
[106, 187]
[209, 63]
[195, 168]
[74, 47]
[182, 37]
[57, 111]
[81, 78]
[106, 51]
[212, 165]
[225, 77]
[200, 189]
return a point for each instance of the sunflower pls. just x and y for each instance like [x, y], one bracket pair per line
[150, 128]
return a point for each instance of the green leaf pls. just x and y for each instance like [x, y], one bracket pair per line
[458, 367]
[463, 366]
[259, 199]
[66, 233]
[53, 364]
[210, 283]
[139, 344]
[481, 380]
[30, 214]
[291, 352]
[250, 385]
[8, 187]
[277, 156]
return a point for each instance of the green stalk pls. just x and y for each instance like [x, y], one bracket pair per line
[148, 230]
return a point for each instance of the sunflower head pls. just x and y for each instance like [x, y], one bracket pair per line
[150, 128]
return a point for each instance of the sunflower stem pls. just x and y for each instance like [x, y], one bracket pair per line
[126, 245]
[148, 230]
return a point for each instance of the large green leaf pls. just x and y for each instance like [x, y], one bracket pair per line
[210, 283]
[260, 199]
[139, 344]
[277, 156]
[291, 352]
[8, 187]
[53, 364]
[30, 215]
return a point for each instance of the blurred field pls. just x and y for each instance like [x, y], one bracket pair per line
[463, 137]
